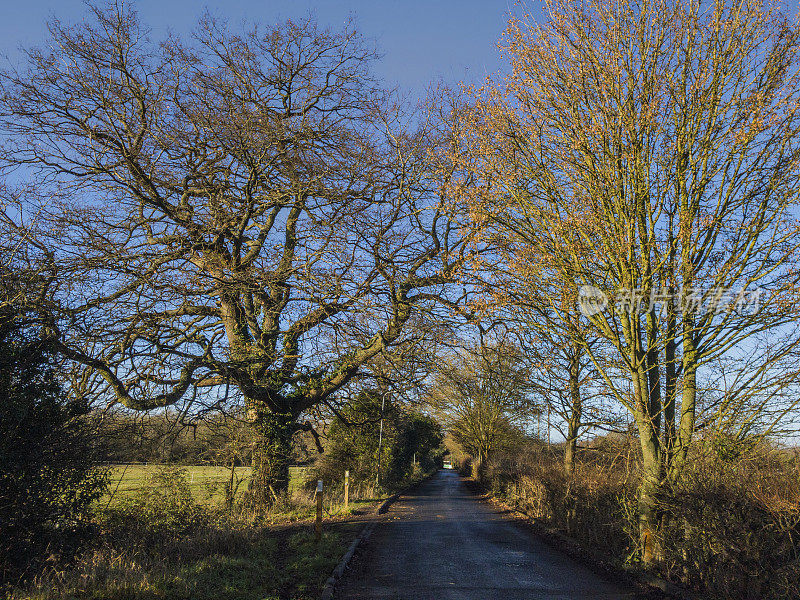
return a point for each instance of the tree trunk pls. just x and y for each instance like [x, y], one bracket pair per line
[653, 371]
[271, 457]
[575, 414]
[479, 465]
[571, 447]
[688, 399]
[230, 492]
[670, 350]
[652, 473]
[670, 387]
[688, 215]
[475, 467]
[648, 506]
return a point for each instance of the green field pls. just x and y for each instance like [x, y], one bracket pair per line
[206, 482]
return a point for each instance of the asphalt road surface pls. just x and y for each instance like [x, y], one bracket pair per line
[442, 542]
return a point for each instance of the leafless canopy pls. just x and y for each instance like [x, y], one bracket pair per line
[240, 209]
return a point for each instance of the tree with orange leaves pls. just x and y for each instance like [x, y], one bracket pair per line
[645, 154]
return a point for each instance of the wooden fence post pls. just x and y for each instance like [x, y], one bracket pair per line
[318, 524]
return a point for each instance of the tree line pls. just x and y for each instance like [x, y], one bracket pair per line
[247, 219]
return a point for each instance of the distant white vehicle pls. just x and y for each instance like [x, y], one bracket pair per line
[447, 464]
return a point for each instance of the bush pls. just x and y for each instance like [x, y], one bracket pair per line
[353, 444]
[47, 479]
[738, 531]
[592, 506]
[730, 526]
[164, 504]
[418, 442]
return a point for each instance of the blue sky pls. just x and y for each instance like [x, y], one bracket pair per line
[422, 41]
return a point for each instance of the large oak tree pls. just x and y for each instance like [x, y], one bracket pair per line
[238, 211]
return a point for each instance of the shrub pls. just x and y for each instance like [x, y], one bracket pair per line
[164, 504]
[590, 506]
[737, 532]
[353, 443]
[730, 525]
[47, 479]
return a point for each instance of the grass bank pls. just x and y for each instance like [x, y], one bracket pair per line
[210, 562]
[158, 539]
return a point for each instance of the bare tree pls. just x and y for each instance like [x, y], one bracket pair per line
[565, 382]
[540, 312]
[482, 395]
[244, 210]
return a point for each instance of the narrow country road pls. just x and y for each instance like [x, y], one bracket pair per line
[442, 542]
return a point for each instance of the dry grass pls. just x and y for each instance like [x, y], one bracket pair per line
[211, 562]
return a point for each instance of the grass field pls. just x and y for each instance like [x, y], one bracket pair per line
[206, 482]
